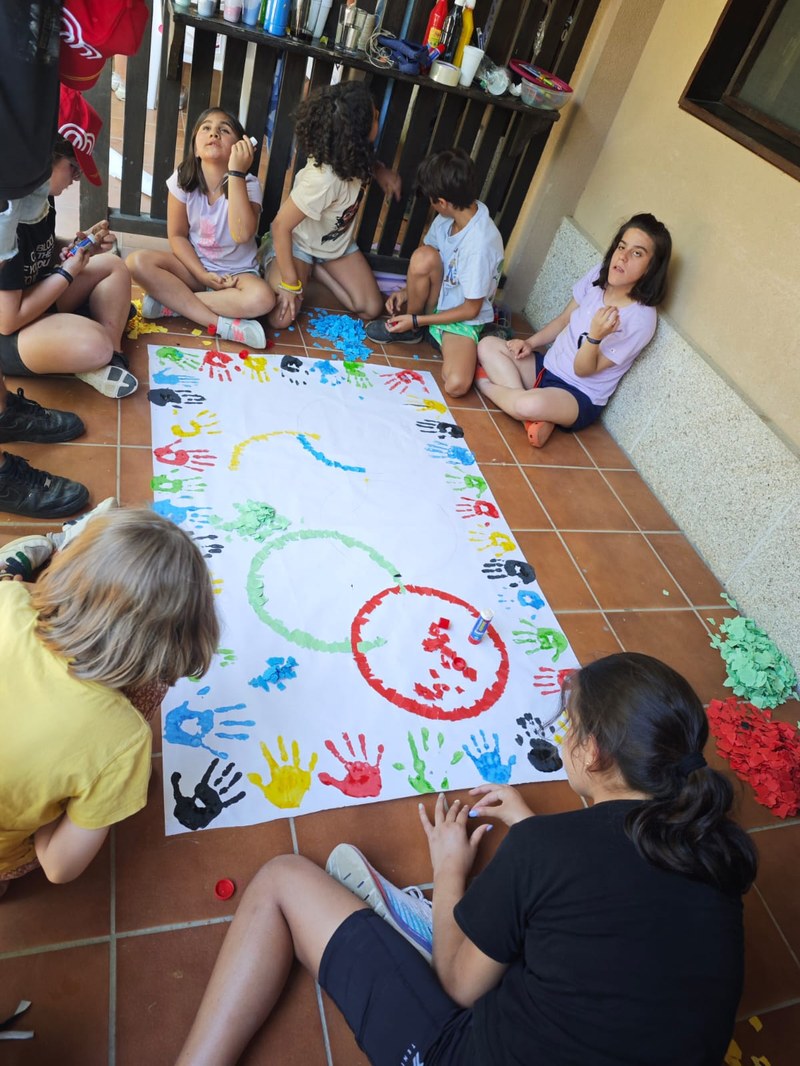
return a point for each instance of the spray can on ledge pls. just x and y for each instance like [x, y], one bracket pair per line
[480, 627]
[276, 17]
[451, 31]
[433, 31]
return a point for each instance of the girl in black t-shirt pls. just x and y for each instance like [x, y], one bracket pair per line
[64, 313]
[606, 935]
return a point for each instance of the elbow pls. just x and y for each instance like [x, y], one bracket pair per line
[60, 873]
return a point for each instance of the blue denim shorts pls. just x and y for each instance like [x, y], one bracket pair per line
[588, 412]
[306, 257]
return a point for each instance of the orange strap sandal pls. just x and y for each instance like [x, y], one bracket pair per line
[539, 432]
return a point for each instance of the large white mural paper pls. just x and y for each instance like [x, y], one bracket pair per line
[352, 543]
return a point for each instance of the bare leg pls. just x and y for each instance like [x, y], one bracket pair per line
[459, 357]
[251, 298]
[163, 276]
[106, 284]
[424, 281]
[535, 405]
[499, 363]
[351, 281]
[290, 910]
[64, 344]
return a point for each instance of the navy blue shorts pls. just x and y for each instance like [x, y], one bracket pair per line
[390, 997]
[588, 412]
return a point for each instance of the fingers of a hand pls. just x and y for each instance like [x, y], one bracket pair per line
[478, 835]
[440, 812]
[481, 790]
[425, 820]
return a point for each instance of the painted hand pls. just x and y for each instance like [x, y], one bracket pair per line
[499, 801]
[287, 784]
[441, 429]
[217, 365]
[449, 845]
[362, 778]
[206, 802]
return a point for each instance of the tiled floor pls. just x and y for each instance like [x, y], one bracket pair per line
[115, 963]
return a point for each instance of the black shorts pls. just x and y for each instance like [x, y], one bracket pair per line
[10, 361]
[588, 412]
[390, 997]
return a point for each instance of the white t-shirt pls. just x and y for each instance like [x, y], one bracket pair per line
[209, 232]
[472, 259]
[637, 324]
[330, 206]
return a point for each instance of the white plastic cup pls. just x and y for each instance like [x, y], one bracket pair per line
[206, 8]
[470, 61]
[250, 12]
[232, 10]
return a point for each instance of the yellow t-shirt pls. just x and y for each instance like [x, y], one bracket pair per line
[65, 744]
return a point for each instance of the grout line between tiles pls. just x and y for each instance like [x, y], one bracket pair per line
[293, 832]
[326, 1041]
[777, 925]
[768, 1010]
[174, 927]
[112, 951]
[63, 945]
[785, 823]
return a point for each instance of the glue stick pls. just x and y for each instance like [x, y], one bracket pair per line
[480, 627]
[87, 243]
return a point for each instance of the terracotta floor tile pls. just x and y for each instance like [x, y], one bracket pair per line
[691, 573]
[344, 1049]
[562, 449]
[482, 437]
[559, 577]
[174, 881]
[516, 499]
[471, 401]
[771, 975]
[578, 499]
[643, 506]
[12, 527]
[135, 472]
[779, 853]
[35, 912]
[602, 447]
[93, 465]
[589, 635]
[135, 418]
[160, 981]
[679, 639]
[775, 1041]
[68, 991]
[623, 571]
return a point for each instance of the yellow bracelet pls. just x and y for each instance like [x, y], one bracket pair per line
[291, 288]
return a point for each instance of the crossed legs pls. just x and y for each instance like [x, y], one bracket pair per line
[510, 386]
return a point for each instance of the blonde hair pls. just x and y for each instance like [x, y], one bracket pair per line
[128, 602]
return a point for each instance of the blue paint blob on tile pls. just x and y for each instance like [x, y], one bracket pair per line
[346, 334]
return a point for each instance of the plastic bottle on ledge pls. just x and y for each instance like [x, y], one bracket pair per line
[451, 31]
[467, 30]
[433, 31]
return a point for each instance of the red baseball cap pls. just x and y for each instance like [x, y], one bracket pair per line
[79, 123]
[93, 30]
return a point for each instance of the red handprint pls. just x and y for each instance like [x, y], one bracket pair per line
[191, 458]
[469, 508]
[363, 778]
[217, 364]
[402, 379]
[549, 680]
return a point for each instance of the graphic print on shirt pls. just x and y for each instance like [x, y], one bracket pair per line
[345, 220]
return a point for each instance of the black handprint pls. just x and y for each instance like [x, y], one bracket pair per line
[200, 809]
[210, 549]
[500, 568]
[441, 429]
[162, 397]
[542, 754]
[291, 365]
[191, 397]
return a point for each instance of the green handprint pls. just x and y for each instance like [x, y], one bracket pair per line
[165, 483]
[419, 782]
[355, 374]
[541, 638]
[168, 354]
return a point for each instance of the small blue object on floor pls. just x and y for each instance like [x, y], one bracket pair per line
[345, 333]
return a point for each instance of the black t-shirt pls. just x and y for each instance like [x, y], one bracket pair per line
[28, 93]
[36, 254]
[612, 961]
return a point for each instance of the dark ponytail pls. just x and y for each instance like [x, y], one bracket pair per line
[647, 720]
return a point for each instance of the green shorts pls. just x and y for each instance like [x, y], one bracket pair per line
[463, 329]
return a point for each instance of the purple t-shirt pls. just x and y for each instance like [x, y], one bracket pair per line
[209, 232]
[637, 324]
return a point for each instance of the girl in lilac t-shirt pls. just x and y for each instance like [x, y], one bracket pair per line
[210, 274]
[595, 339]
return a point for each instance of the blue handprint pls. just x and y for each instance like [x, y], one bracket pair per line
[175, 731]
[487, 760]
[168, 377]
[453, 453]
[178, 515]
[328, 372]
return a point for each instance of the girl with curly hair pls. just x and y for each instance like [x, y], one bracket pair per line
[313, 230]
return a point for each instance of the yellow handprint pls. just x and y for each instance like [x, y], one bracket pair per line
[287, 784]
[427, 405]
[196, 426]
[257, 365]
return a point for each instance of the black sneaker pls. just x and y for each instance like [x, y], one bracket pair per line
[377, 331]
[497, 329]
[24, 419]
[35, 493]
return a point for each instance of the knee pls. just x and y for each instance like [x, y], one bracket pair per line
[139, 264]
[258, 303]
[276, 876]
[491, 346]
[457, 383]
[373, 308]
[424, 260]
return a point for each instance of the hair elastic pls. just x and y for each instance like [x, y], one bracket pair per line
[693, 761]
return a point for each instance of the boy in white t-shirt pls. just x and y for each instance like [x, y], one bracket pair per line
[452, 276]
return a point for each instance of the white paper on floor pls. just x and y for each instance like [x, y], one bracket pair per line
[352, 542]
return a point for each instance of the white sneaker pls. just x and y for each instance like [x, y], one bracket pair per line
[405, 909]
[23, 557]
[71, 529]
[151, 308]
[242, 330]
[114, 379]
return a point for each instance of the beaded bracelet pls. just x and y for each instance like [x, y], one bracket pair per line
[64, 274]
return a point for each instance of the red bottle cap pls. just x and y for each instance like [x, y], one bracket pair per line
[224, 888]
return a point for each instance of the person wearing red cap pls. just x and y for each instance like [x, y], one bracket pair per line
[53, 289]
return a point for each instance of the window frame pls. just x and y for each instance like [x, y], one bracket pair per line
[728, 57]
